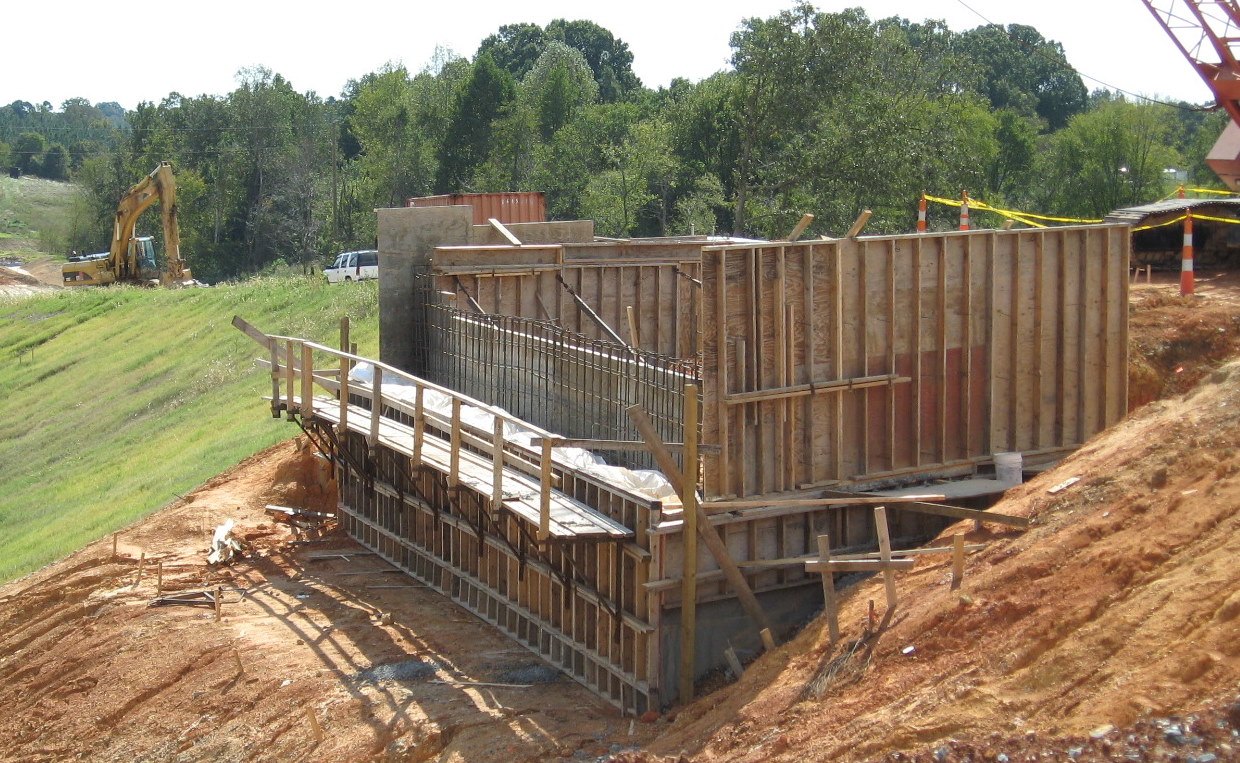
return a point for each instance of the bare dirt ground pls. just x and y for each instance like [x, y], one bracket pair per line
[28, 278]
[1110, 630]
[89, 670]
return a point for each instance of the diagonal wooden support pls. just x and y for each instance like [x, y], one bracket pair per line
[705, 529]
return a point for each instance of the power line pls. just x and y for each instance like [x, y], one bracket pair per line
[1068, 67]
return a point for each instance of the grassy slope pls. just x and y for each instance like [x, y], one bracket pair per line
[34, 214]
[113, 400]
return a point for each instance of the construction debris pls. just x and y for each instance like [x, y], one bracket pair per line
[223, 545]
[191, 598]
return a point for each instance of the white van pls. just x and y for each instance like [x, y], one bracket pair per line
[361, 265]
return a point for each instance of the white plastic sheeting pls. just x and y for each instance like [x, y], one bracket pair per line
[644, 482]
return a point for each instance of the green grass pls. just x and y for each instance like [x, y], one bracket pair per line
[114, 400]
[34, 216]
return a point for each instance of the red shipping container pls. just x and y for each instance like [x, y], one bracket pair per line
[520, 207]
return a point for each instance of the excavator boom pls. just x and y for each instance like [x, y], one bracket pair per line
[132, 258]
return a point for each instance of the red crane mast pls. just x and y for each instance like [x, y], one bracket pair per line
[1207, 32]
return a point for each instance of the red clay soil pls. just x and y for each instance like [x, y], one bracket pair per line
[1108, 630]
[88, 670]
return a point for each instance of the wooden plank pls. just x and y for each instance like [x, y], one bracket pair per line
[589, 312]
[867, 555]
[858, 224]
[627, 445]
[958, 513]
[274, 349]
[957, 560]
[705, 529]
[503, 231]
[344, 376]
[866, 500]
[688, 589]
[830, 605]
[884, 553]
[916, 332]
[890, 438]
[307, 381]
[454, 464]
[837, 358]
[376, 405]
[809, 353]
[722, 412]
[497, 459]
[799, 228]
[966, 347]
[816, 388]
[419, 425]
[634, 335]
[544, 493]
[862, 565]
[290, 384]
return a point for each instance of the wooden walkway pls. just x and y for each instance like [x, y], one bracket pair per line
[570, 519]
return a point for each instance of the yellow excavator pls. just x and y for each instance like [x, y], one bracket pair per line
[131, 258]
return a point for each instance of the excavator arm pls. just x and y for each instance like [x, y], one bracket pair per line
[131, 259]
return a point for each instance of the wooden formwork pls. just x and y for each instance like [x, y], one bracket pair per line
[851, 360]
[647, 292]
[826, 366]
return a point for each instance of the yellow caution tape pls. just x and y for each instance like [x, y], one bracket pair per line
[1177, 220]
[1180, 219]
[1024, 217]
[1211, 190]
[1216, 219]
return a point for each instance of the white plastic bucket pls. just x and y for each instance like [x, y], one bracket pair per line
[1009, 468]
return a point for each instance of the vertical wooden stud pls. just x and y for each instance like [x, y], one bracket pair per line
[884, 553]
[419, 426]
[497, 469]
[141, 563]
[219, 603]
[830, 604]
[957, 560]
[290, 378]
[274, 349]
[307, 381]
[544, 492]
[689, 533]
[454, 455]
[376, 406]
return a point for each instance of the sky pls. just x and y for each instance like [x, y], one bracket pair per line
[101, 54]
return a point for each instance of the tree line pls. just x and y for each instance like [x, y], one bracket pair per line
[828, 113]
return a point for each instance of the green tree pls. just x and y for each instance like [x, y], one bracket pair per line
[28, 149]
[559, 82]
[480, 100]
[515, 47]
[1021, 70]
[55, 164]
[609, 57]
[1110, 158]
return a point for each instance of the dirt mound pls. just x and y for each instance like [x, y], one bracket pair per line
[387, 667]
[1118, 609]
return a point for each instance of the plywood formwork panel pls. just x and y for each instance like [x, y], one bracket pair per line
[836, 362]
[658, 279]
